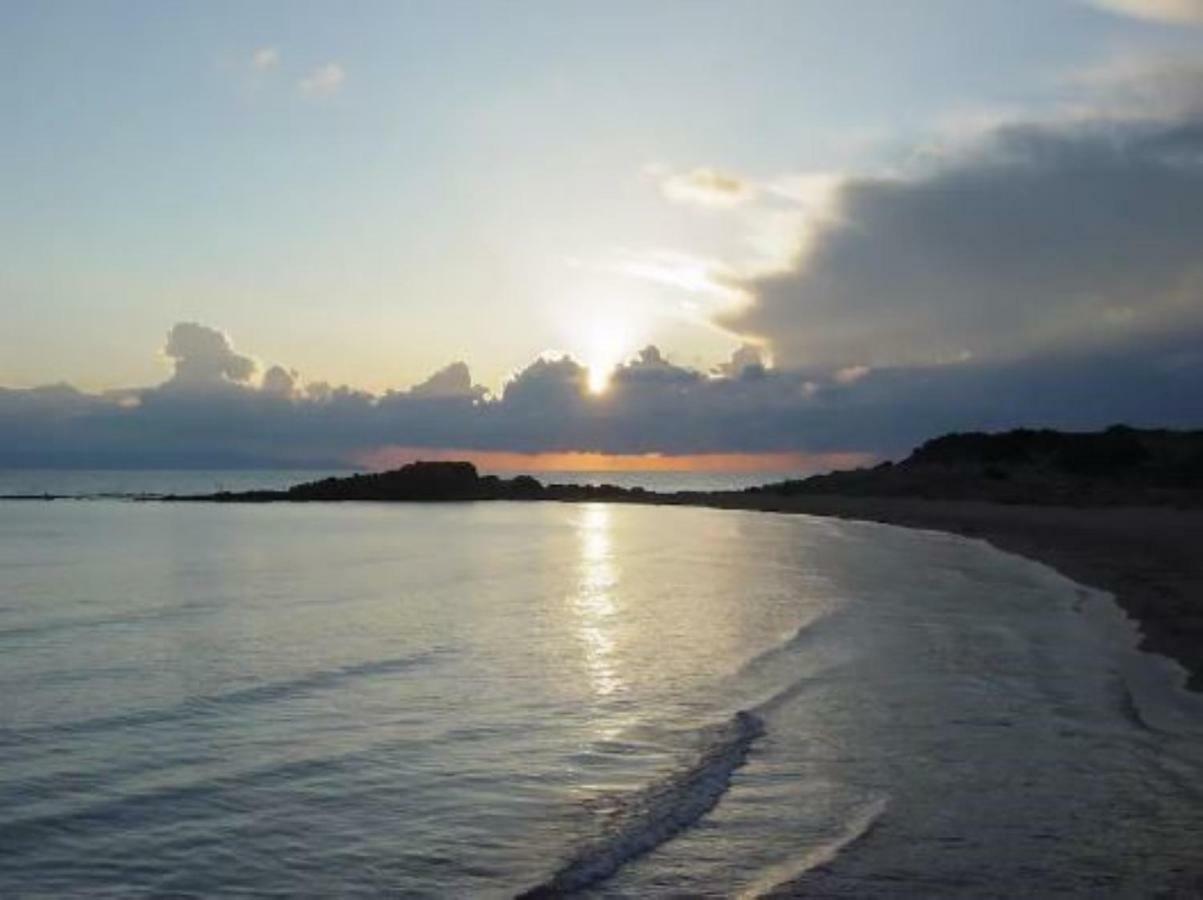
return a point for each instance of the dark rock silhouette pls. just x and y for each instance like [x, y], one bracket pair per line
[1119, 466]
[426, 482]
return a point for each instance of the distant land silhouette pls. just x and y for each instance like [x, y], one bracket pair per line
[1119, 466]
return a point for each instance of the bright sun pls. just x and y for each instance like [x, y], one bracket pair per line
[605, 344]
[599, 379]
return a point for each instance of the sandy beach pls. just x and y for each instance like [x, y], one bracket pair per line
[1149, 558]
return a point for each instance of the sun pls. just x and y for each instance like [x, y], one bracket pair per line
[599, 379]
[605, 343]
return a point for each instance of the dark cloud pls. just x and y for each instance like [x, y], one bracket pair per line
[280, 381]
[1037, 240]
[747, 356]
[652, 405]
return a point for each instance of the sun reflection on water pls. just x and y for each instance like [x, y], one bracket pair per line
[593, 600]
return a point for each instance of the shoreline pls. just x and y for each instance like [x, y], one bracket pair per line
[1150, 559]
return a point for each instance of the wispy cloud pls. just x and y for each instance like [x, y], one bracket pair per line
[692, 274]
[265, 58]
[1137, 86]
[708, 187]
[1183, 11]
[324, 81]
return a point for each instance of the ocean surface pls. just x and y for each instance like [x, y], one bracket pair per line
[492, 699]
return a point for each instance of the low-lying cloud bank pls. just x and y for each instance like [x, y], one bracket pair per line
[213, 412]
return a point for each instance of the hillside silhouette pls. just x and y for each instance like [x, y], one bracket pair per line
[1118, 466]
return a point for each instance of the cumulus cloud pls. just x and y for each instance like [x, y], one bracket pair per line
[745, 357]
[324, 81]
[1039, 236]
[704, 186]
[205, 358]
[1181, 11]
[265, 58]
[453, 381]
[652, 405]
[280, 382]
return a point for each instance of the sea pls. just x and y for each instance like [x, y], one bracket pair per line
[548, 699]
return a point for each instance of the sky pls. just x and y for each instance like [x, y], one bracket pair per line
[248, 234]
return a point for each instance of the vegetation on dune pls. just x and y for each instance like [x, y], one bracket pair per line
[1120, 465]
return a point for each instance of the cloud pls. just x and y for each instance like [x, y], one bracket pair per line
[1139, 87]
[707, 187]
[746, 357]
[851, 374]
[204, 358]
[1177, 11]
[686, 272]
[653, 405]
[280, 382]
[324, 81]
[453, 381]
[1034, 238]
[265, 58]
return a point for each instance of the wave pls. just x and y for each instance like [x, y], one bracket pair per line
[135, 617]
[1130, 709]
[202, 707]
[199, 795]
[804, 634]
[782, 880]
[651, 816]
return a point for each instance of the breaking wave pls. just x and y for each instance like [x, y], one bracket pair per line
[808, 631]
[649, 817]
[780, 879]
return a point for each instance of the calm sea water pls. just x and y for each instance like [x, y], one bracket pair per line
[489, 699]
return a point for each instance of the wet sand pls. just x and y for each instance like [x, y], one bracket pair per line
[1149, 558]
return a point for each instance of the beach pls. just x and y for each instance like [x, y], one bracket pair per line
[1149, 558]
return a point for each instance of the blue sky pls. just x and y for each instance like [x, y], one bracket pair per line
[364, 193]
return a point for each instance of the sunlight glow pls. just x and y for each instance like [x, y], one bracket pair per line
[594, 601]
[605, 342]
[599, 378]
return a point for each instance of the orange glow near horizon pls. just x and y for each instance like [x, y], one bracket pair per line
[577, 461]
